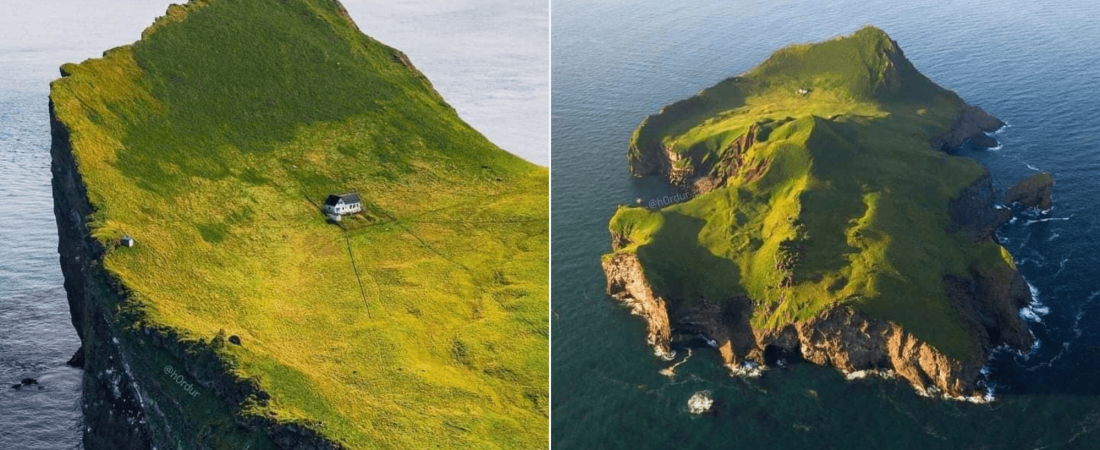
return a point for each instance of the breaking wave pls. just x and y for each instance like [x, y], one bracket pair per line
[747, 369]
[700, 402]
[671, 370]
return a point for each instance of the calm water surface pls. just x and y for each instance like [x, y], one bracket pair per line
[493, 70]
[1034, 65]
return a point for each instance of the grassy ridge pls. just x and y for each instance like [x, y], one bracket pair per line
[425, 324]
[840, 201]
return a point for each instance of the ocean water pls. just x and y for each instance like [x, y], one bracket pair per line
[492, 67]
[1034, 65]
[489, 58]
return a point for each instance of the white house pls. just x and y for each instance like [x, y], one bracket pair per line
[339, 205]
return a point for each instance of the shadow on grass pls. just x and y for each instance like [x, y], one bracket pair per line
[678, 266]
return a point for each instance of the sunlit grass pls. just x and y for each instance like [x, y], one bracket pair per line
[207, 142]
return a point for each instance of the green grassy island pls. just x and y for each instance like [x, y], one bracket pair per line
[241, 318]
[828, 219]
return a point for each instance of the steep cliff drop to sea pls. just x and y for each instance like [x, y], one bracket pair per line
[240, 317]
[829, 222]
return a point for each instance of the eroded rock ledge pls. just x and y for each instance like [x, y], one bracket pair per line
[839, 337]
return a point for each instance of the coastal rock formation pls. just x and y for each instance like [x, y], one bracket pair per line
[1033, 192]
[840, 336]
[973, 210]
[971, 125]
[627, 284]
[820, 232]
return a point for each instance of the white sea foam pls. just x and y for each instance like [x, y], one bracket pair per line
[661, 353]
[1029, 315]
[1036, 309]
[861, 374]
[700, 402]
[1061, 266]
[670, 371]
[747, 369]
[1048, 219]
[934, 392]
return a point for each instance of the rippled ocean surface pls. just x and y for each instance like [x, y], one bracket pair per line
[1034, 65]
[487, 57]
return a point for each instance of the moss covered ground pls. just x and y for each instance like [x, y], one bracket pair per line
[421, 324]
[840, 201]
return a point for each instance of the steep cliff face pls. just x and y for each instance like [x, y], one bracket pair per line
[839, 337]
[141, 383]
[627, 284]
[971, 126]
[111, 403]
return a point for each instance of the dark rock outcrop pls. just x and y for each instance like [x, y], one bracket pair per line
[1033, 192]
[972, 211]
[971, 125]
[77, 360]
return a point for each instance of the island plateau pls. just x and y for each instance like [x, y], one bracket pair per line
[829, 219]
[216, 305]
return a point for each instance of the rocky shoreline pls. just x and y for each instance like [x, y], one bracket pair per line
[987, 299]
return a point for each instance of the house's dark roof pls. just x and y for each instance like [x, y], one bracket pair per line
[348, 198]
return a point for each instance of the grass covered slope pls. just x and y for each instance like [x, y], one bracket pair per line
[422, 323]
[834, 198]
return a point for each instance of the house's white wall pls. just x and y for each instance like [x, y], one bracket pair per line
[343, 208]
